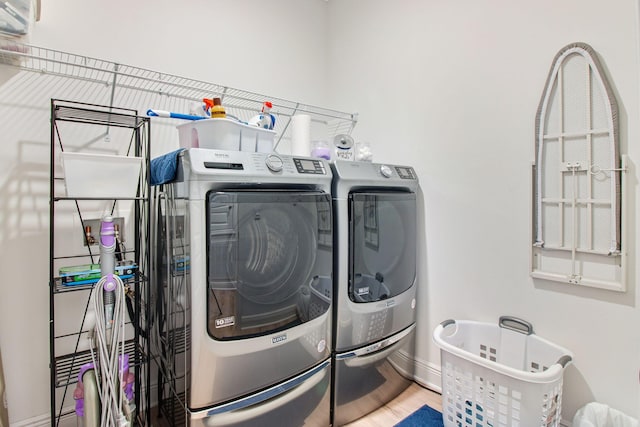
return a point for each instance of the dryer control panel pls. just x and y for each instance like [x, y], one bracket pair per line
[245, 167]
[309, 166]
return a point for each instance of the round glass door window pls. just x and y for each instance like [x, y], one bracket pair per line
[382, 250]
[276, 247]
[265, 254]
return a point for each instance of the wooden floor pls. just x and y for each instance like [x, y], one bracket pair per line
[387, 416]
[401, 407]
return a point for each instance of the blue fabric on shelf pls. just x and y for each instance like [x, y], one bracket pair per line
[163, 168]
[423, 417]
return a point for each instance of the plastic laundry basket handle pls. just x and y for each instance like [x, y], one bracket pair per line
[447, 322]
[515, 324]
[564, 360]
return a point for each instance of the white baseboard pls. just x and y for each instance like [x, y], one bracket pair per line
[45, 421]
[428, 375]
[69, 420]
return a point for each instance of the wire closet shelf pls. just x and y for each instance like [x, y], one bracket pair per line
[179, 89]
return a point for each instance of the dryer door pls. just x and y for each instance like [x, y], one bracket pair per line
[269, 261]
[382, 249]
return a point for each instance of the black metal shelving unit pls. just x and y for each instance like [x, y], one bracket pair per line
[123, 132]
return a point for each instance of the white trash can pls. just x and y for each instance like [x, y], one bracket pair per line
[600, 415]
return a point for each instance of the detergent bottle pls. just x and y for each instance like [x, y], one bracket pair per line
[217, 110]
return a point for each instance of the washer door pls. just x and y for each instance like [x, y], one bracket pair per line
[382, 247]
[266, 254]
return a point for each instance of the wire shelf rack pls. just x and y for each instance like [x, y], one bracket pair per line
[67, 367]
[178, 90]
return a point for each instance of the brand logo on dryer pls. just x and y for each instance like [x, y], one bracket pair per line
[223, 322]
[278, 338]
[223, 155]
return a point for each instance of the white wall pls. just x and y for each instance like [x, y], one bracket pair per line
[452, 88]
[449, 87]
[276, 48]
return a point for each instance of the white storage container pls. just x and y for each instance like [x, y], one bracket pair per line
[225, 134]
[499, 375]
[596, 414]
[101, 175]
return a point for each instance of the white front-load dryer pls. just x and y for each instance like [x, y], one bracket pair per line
[374, 285]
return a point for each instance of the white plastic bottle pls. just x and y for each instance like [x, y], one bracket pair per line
[265, 119]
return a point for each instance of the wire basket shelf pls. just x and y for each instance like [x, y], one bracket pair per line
[179, 91]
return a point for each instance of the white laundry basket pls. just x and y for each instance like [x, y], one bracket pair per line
[499, 375]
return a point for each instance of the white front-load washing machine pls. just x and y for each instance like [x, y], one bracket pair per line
[245, 290]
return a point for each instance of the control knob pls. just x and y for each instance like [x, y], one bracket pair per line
[274, 163]
[386, 171]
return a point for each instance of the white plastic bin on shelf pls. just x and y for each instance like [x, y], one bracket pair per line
[101, 175]
[499, 375]
[225, 134]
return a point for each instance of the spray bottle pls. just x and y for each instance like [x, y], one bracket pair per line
[265, 119]
[201, 109]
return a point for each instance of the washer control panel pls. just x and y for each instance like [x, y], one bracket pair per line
[310, 166]
[256, 167]
[405, 172]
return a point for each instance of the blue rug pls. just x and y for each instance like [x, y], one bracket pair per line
[423, 417]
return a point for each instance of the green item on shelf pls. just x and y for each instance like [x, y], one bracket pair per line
[90, 273]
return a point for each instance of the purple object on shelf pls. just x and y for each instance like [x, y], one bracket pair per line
[321, 153]
[126, 377]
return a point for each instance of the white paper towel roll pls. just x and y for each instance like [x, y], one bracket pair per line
[301, 135]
